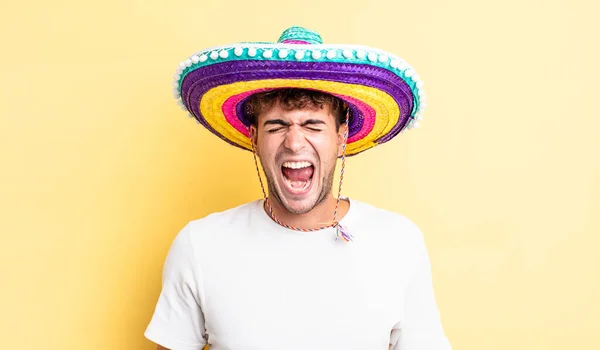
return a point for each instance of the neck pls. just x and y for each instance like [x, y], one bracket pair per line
[321, 215]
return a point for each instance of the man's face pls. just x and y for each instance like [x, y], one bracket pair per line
[298, 151]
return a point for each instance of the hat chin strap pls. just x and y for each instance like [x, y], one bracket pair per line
[339, 229]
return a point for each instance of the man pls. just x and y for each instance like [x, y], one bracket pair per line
[299, 269]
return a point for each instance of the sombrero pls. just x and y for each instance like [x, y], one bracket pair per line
[383, 93]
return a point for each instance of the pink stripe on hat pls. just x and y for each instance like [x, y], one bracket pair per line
[368, 115]
[292, 41]
[229, 111]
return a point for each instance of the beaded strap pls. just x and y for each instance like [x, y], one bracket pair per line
[340, 231]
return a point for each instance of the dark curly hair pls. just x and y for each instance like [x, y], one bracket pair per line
[294, 98]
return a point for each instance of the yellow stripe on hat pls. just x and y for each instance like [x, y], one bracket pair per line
[386, 109]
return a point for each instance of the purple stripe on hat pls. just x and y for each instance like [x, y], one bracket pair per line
[239, 110]
[355, 125]
[198, 82]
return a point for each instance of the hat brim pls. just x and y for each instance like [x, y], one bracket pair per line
[382, 99]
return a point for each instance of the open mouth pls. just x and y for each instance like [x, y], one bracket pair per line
[297, 176]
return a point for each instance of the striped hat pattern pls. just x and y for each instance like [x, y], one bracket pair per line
[384, 94]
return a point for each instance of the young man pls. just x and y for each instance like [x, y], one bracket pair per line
[299, 269]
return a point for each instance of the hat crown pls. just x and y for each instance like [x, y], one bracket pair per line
[300, 35]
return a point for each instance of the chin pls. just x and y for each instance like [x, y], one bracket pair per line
[298, 203]
[300, 196]
[300, 207]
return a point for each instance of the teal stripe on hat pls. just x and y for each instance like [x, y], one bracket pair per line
[302, 34]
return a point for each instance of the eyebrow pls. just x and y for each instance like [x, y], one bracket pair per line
[276, 122]
[284, 123]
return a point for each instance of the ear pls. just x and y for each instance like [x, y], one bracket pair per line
[341, 138]
[253, 135]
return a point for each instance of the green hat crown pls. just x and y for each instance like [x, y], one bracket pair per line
[300, 35]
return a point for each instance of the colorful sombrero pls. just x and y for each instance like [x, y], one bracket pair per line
[383, 92]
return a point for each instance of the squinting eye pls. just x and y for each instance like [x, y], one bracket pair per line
[313, 129]
[273, 130]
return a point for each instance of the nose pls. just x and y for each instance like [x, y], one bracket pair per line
[294, 139]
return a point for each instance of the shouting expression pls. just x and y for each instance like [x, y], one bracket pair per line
[298, 150]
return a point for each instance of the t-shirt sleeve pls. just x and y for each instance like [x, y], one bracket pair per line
[421, 326]
[178, 322]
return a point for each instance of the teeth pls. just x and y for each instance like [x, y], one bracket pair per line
[296, 165]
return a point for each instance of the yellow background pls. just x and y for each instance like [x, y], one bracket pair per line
[100, 168]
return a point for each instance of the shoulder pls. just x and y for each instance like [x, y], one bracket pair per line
[220, 226]
[211, 229]
[223, 218]
[389, 223]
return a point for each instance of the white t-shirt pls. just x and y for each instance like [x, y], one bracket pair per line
[239, 281]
